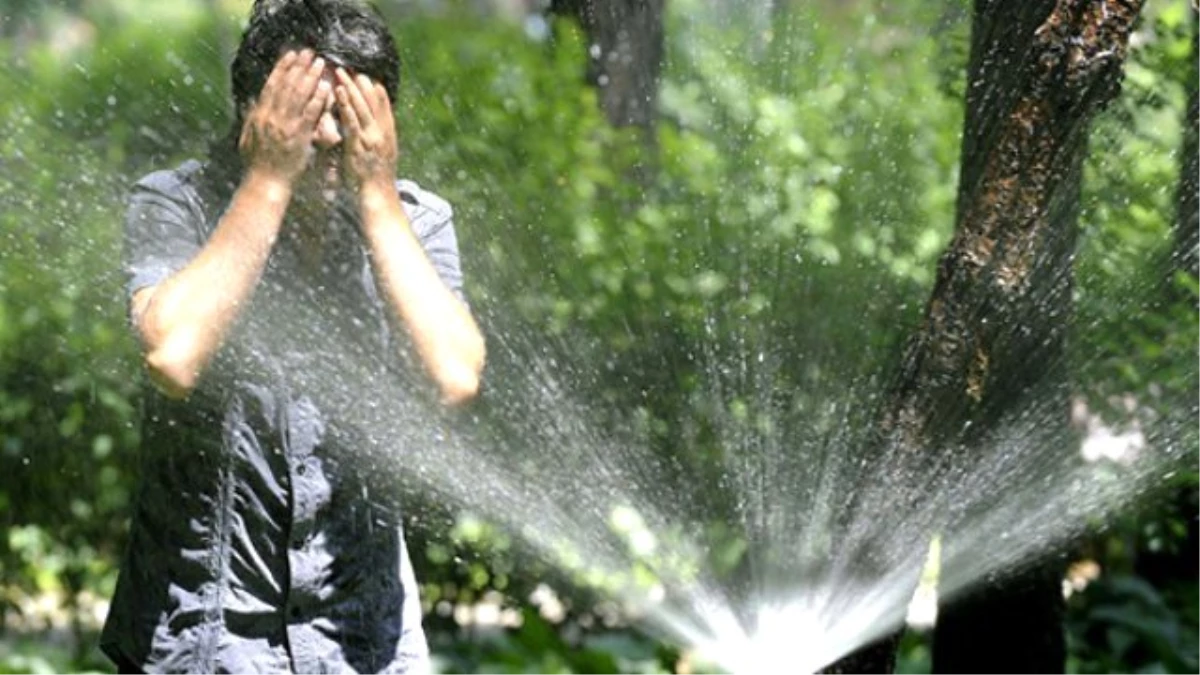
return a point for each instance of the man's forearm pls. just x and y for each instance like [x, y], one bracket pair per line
[443, 332]
[183, 320]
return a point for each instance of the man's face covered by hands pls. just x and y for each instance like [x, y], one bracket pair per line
[312, 118]
[320, 129]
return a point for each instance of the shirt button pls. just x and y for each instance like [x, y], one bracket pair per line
[301, 469]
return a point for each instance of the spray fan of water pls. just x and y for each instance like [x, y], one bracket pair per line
[787, 544]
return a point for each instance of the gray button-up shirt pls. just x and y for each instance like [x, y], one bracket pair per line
[255, 545]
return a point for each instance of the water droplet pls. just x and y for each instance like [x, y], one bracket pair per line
[536, 27]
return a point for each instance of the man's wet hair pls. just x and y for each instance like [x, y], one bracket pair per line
[348, 33]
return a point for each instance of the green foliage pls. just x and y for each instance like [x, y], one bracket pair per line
[539, 646]
[66, 405]
[1127, 625]
[37, 655]
[1128, 218]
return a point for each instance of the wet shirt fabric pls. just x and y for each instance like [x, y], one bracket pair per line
[257, 543]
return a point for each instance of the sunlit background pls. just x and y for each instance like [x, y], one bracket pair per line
[694, 295]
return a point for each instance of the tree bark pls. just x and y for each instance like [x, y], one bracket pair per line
[877, 657]
[625, 56]
[994, 328]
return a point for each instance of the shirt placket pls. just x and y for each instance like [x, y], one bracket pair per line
[310, 492]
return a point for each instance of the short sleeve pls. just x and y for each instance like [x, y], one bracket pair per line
[432, 221]
[162, 232]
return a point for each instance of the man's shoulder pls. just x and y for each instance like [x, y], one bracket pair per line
[174, 182]
[414, 194]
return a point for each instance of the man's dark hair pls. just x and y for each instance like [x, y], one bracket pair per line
[349, 33]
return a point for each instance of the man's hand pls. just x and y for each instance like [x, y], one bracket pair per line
[369, 145]
[276, 138]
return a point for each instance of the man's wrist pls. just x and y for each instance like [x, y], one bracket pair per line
[376, 194]
[272, 187]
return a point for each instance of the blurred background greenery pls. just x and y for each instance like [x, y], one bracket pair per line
[830, 131]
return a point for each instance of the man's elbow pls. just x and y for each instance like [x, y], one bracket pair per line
[460, 382]
[175, 377]
[459, 392]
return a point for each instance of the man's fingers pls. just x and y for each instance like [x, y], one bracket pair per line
[370, 93]
[354, 94]
[382, 104]
[278, 90]
[278, 73]
[275, 90]
[317, 103]
[346, 111]
[305, 88]
[281, 68]
[297, 88]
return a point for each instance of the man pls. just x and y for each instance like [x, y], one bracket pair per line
[255, 545]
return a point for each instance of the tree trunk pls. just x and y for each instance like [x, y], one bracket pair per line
[877, 657]
[994, 327]
[625, 56]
